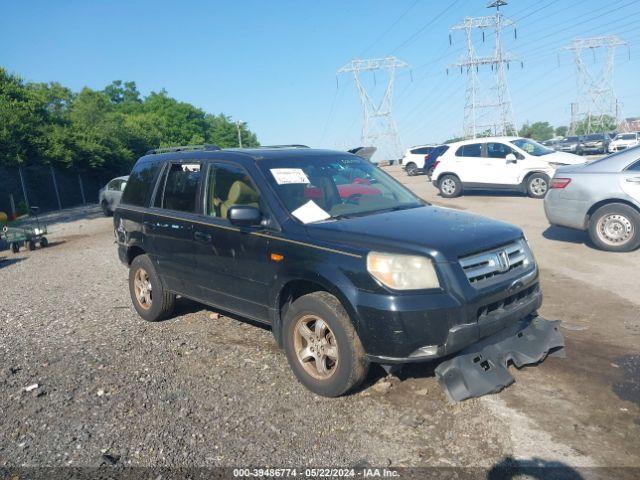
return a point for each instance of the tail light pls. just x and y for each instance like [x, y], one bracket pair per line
[560, 182]
[426, 157]
[435, 164]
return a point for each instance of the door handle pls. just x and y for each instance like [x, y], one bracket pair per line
[203, 237]
[633, 180]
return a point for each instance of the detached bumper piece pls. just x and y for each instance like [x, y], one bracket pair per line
[481, 368]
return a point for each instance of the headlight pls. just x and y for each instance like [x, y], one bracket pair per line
[402, 272]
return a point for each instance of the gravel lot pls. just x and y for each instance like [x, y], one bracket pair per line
[197, 390]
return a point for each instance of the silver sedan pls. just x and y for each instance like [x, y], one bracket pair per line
[110, 195]
[601, 197]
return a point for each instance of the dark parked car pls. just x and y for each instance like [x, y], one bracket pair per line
[423, 159]
[343, 281]
[596, 143]
[570, 145]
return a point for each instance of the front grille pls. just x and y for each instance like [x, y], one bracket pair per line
[512, 302]
[485, 265]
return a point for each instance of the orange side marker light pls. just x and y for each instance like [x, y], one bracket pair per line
[276, 257]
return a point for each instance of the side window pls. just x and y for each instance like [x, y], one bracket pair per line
[228, 185]
[114, 184]
[421, 150]
[181, 187]
[140, 184]
[472, 150]
[499, 150]
[634, 167]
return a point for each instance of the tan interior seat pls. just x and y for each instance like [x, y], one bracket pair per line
[239, 194]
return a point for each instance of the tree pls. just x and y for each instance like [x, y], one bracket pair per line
[537, 131]
[596, 125]
[47, 123]
[561, 131]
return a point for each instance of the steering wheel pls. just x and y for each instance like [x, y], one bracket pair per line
[353, 199]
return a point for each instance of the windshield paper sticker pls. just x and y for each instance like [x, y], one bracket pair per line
[310, 212]
[286, 176]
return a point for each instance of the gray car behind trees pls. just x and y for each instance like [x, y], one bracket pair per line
[110, 195]
[601, 197]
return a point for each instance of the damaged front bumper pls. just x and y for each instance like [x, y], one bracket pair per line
[481, 368]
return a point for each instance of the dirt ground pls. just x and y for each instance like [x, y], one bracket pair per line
[202, 391]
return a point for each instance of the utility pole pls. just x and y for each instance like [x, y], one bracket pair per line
[489, 110]
[596, 102]
[378, 127]
[238, 123]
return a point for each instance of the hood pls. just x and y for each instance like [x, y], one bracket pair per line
[563, 157]
[444, 233]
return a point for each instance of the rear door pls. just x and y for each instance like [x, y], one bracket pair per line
[170, 223]
[630, 181]
[469, 163]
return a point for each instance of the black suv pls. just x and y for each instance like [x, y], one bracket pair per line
[346, 265]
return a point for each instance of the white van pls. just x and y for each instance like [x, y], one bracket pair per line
[499, 163]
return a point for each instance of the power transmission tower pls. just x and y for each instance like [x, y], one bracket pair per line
[596, 103]
[488, 110]
[378, 127]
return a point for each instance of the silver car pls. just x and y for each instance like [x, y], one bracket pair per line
[602, 197]
[110, 195]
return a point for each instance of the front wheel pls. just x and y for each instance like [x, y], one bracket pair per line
[31, 245]
[615, 227]
[322, 347]
[44, 243]
[411, 169]
[149, 297]
[537, 185]
[15, 247]
[450, 186]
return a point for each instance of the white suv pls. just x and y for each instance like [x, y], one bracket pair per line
[420, 159]
[502, 163]
[622, 141]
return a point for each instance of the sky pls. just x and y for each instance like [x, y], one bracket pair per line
[272, 64]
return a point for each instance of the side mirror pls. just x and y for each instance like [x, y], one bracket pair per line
[244, 215]
[511, 158]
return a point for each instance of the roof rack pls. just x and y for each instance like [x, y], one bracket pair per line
[285, 146]
[183, 148]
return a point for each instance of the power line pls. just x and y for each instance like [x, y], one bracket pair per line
[386, 32]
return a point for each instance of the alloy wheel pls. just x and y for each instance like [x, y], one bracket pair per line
[142, 288]
[316, 348]
[448, 186]
[538, 186]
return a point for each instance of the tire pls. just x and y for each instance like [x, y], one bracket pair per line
[537, 185]
[44, 243]
[31, 245]
[450, 186]
[337, 375]
[105, 209]
[15, 248]
[148, 295]
[430, 172]
[615, 227]
[411, 169]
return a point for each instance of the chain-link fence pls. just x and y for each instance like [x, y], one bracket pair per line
[48, 188]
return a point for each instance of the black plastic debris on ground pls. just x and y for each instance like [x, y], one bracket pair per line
[481, 368]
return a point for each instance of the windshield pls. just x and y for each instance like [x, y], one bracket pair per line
[626, 136]
[315, 188]
[531, 147]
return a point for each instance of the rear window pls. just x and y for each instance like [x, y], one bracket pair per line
[473, 150]
[140, 184]
[422, 150]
